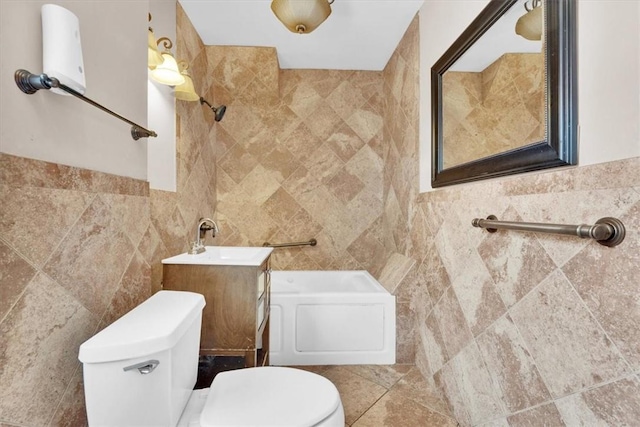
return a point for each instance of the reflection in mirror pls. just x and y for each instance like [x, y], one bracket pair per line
[493, 95]
[503, 96]
[494, 110]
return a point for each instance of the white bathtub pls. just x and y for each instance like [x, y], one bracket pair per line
[330, 318]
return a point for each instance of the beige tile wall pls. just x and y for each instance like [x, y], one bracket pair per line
[514, 328]
[538, 319]
[73, 258]
[400, 186]
[299, 157]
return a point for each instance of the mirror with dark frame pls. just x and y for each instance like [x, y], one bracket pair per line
[504, 95]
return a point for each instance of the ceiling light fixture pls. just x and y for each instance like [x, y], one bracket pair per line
[301, 16]
[529, 25]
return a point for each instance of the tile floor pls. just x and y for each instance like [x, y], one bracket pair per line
[372, 395]
[386, 396]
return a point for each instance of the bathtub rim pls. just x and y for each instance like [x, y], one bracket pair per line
[379, 288]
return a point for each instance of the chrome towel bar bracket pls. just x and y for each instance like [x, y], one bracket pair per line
[606, 231]
[30, 83]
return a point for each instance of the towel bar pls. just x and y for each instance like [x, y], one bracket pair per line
[606, 231]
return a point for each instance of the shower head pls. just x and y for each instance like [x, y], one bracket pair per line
[218, 111]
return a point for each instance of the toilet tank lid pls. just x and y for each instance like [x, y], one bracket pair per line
[155, 325]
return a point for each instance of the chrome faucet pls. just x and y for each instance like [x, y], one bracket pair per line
[204, 225]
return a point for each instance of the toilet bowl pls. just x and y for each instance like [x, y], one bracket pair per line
[140, 371]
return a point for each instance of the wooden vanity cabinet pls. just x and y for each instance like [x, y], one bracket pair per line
[235, 320]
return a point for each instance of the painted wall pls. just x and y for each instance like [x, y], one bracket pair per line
[608, 75]
[63, 129]
[161, 114]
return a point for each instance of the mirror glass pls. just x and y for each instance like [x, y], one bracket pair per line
[503, 95]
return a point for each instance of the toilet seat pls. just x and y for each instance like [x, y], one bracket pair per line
[269, 396]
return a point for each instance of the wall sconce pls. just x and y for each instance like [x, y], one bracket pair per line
[163, 66]
[529, 25]
[301, 16]
[166, 70]
[218, 111]
[186, 91]
[167, 73]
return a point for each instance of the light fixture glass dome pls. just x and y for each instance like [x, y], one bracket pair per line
[167, 73]
[529, 25]
[186, 91]
[301, 16]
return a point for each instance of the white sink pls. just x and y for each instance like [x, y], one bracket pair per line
[223, 255]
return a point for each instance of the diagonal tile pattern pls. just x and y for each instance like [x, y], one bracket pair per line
[563, 341]
[567, 329]
[71, 257]
[511, 367]
[15, 275]
[39, 343]
[611, 292]
[297, 145]
[386, 396]
[97, 234]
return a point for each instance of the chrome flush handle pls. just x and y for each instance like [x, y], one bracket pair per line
[143, 367]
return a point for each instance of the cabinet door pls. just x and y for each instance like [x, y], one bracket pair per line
[229, 316]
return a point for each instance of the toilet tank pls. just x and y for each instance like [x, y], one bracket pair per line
[141, 369]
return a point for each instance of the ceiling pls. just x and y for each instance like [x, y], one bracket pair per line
[358, 35]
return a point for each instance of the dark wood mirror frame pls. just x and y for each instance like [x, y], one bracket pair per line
[561, 146]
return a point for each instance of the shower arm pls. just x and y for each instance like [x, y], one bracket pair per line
[204, 101]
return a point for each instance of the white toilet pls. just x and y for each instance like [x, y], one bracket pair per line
[140, 371]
